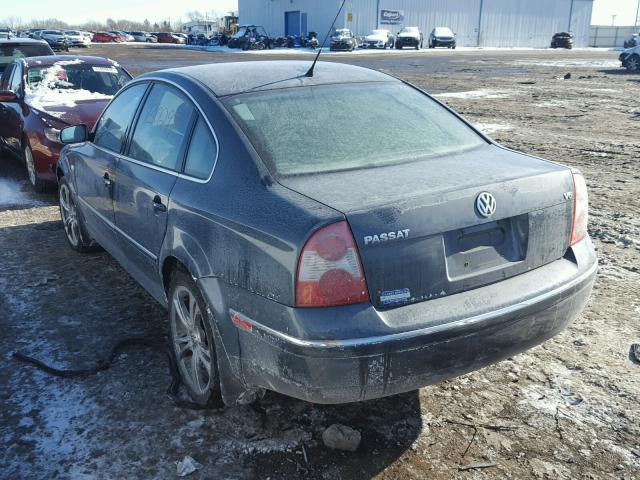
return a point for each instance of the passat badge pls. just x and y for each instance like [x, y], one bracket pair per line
[486, 204]
[387, 237]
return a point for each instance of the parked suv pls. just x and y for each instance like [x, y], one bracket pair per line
[562, 40]
[442, 37]
[409, 37]
[340, 266]
[56, 39]
[343, 40]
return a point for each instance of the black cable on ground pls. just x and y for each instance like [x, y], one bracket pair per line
[105, 364]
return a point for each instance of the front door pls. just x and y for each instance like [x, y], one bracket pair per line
[292, 23]
[146, 175]
[95, 171]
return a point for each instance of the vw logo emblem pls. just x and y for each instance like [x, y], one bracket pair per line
[486, 204]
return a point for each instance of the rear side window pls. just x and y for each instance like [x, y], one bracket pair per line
[10, 52]
[112, 127]
[202, 152]
[162, 127]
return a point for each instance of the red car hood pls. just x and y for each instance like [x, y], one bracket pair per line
[83, 111]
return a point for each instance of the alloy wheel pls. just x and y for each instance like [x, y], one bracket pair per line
[633, 64]
[69, 214]
[191, 343]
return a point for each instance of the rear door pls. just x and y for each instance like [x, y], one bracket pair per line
[95, 171]
[146, 176]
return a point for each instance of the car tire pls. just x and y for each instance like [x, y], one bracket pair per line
[193, 340]
[38, 185]
[633, 63]
[72, 220]
[398, 47]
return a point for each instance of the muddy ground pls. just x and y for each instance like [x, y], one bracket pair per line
[567, 409]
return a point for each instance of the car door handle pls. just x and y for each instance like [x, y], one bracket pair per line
[107, 180]
[158, 206]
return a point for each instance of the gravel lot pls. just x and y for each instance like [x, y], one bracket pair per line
[567, 409]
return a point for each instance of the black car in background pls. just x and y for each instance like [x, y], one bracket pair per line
[20, 48]
[562, 40]
[343, 40]
[442, 37]
[409, 37]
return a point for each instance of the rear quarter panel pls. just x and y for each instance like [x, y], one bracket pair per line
[240, 226]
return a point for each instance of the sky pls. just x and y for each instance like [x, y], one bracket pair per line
[138, 10]
[158, 10]
[625, 11]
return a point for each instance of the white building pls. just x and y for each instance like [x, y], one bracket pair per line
[488, 23]
[201, 26]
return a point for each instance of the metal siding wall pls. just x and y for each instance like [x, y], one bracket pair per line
[505, 23]
[581, 22]
[459, 15]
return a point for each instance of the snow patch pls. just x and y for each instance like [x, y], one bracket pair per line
[570, 63]
[490, 128]
[489, 94]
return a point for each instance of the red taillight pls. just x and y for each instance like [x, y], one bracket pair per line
[329, 269]
[580, 208]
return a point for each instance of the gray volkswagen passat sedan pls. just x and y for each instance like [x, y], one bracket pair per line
[300, 251]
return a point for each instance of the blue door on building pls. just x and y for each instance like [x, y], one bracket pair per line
[303, 24]
[292, 23]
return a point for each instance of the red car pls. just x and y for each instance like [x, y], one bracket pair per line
[170, 38]
[107, 37]
[41, 95]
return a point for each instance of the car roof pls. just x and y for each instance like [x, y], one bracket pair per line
[22, 41]
[51, 59]
[237, 77]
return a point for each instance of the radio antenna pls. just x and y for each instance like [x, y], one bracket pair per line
[313, 65]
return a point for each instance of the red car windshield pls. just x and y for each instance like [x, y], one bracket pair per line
[77, 75]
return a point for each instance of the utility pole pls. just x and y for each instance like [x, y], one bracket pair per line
[480, 23]
[571, 16]
[637, 14]
[613, 20]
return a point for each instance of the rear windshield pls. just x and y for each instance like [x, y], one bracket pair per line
[9, 53]
[443, 32]
[342, 127]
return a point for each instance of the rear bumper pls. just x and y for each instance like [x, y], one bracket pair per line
[476, 333]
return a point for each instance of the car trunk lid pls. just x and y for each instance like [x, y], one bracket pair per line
[420, 234]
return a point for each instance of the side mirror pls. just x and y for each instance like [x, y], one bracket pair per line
[74, 134]
[8, 96]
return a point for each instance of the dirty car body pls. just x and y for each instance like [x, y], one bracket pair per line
[337, 270]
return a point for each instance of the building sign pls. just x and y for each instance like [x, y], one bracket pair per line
[391, 17]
